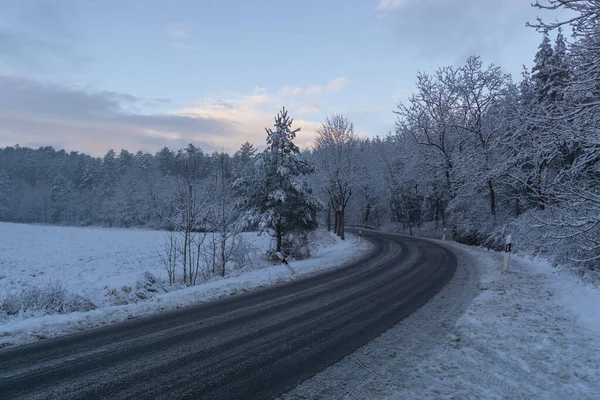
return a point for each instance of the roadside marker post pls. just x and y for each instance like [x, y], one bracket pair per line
[444, 235]
[359, 235]
[507, 251]
[284, 261]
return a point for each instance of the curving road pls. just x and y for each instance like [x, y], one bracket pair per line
[252, 346]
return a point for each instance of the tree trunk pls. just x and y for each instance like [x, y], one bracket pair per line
[417, 206]
[492, 198]
[335, 222]
[279, 235]
[197, 266]
[223, 252]
[448, 178]
[338, 230]
[408, 222]
[539, 192]
[367, 214]
[440, 210]
[342, 236]
[190, 259]
[185, 246]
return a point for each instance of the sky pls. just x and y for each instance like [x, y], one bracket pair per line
[94, 75]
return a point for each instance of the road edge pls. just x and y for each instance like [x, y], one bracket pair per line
[401, 346]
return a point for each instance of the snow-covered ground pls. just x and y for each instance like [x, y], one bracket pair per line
[532, 333]
[93, 262]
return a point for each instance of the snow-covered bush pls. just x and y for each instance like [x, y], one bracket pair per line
[242, 253]
[296, 246]
[146, 287]
[52, 298]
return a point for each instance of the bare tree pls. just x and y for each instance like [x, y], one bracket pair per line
[169, 257]
[190, 217]
[432, 119]
[222, 221]
[336, 147]
[480, 91]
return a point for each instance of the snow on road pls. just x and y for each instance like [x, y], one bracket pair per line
[92, 261]
[529, 334]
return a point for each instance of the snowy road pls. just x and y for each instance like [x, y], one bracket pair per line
[257, 345]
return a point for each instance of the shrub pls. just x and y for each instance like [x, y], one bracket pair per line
[52, 298]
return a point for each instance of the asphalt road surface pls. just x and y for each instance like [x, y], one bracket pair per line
[252, 346]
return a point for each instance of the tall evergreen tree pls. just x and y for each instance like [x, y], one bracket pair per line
[277, 199]
[542, 68]
[5, 194]
[243, 160]
[559, 69]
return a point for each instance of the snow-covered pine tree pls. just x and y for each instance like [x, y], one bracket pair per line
[542, 69]
[5, 194]
[243, 160]
[276, 198]
[577, 187]
[542, 136]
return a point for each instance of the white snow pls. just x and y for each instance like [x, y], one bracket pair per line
[530, 333]
[92, 261]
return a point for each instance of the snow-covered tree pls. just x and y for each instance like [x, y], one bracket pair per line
[542, 69]
[433, 119]
[222, 219]
[276, 198]
[481, 91]
[577, 185]
[336, 149]
[5, 194]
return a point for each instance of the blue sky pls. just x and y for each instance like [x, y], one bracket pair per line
[91, 75]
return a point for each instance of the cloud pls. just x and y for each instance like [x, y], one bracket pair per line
[290, 91]
[177, 33]
[313, 90]
[446, 32]
[337, 84]
[40, 113]
[308, 110]
[181, 39]
[248, 115]
[183, 46]
[38, 36]
[389, 4]
[34, 112]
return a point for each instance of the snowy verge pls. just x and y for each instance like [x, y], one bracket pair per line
[530, 333]
[332, 252]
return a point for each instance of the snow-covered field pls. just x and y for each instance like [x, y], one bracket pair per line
[529, 334]
[94, 262]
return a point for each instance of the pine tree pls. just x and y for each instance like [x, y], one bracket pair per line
[542, 69]
[559, 69]
[5, 194]
[59, 195]
[246, 152]
[243, 160]
[276, 198]
[542, 134]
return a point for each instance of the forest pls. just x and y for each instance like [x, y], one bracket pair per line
[475, 154]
